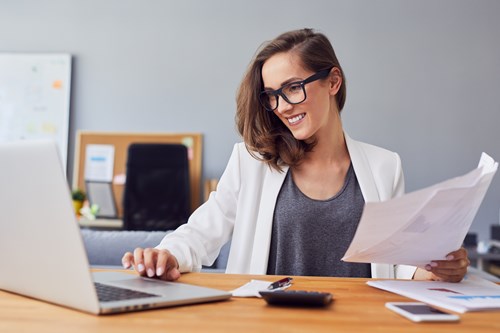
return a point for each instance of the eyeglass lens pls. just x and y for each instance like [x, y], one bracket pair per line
[293, 93]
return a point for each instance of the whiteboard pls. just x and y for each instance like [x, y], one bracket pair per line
[35, 98]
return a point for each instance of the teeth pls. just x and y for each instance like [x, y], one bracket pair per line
[295, 119]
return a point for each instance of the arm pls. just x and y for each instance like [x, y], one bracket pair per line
[198, 242]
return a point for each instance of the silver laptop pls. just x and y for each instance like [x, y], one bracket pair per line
[43, 255]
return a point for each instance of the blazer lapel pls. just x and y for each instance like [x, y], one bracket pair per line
[362, 169]
[263, 231]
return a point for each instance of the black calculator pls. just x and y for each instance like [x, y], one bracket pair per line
[297, 298]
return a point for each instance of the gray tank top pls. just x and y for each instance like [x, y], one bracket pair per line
[309, 237]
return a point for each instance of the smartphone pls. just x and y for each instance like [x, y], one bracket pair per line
[416, 311]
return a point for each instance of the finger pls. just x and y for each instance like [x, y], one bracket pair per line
[167, 266]
[173, 274]
[449, 272]
[149, 256]
[455, 278]
[172, 268]
[161, 264]
[139, 261]
[127, 260]
[449, 264]
[461, 253]
[448, 278]
[449, 275]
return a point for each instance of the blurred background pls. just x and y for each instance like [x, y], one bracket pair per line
[423, 77]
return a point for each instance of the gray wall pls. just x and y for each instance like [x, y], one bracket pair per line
[423, 76]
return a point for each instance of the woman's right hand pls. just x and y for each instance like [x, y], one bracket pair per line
[153, 263]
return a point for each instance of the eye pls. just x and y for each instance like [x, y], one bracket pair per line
[293, 88]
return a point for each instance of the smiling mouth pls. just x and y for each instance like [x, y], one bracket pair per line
[295, 119]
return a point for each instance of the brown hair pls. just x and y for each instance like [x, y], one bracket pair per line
[265, 136]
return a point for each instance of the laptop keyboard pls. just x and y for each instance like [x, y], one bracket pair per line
[107, 293]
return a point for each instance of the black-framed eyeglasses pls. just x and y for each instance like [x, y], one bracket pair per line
[292, 93]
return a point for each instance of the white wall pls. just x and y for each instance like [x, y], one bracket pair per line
[423, 76]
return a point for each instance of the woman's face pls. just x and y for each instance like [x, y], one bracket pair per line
[313, 116]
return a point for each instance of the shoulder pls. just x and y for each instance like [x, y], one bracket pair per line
[247, 161]
[368, 148]
[374, 155]
[241, 152]
[378, 168]
[250, 165]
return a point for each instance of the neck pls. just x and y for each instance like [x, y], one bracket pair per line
[330, 145]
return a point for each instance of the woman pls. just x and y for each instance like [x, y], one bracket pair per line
[292, 194]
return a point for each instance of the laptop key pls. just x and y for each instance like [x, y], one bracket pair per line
[107, 293]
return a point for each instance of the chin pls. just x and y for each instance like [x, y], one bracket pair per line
[302, 136]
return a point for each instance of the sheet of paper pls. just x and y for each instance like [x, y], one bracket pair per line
[472, 294]
[99, 163]
[421, 226]
[252, 288]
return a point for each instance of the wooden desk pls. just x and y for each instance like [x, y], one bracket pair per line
[356, 308]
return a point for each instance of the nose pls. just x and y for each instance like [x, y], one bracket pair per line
[283, 105]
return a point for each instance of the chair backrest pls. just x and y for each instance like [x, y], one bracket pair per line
[156, 195]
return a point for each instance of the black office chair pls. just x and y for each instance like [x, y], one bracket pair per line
[156, 195]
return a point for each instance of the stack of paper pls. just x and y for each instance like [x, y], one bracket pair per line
[472, 294]
[421, 226]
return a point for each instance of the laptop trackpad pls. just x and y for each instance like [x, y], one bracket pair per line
[145, 285]
[153, 286]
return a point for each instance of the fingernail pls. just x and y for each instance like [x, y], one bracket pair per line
[140, 267]
[428, 267]
[434, 264]
[449, 257]
[159, 271]
[151, 273]
[126, 264]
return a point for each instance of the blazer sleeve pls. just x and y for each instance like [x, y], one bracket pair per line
[399, 181]
[198, 242]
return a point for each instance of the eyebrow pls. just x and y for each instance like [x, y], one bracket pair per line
[284, 83]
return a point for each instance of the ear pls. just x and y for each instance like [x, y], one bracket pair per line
[335, 81]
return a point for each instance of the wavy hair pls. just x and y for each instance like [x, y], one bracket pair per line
[264, 134]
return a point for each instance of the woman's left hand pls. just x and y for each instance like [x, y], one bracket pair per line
[453, 269]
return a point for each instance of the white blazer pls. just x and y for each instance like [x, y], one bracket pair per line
[242, 209]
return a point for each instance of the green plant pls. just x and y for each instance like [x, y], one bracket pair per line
[78, 195]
